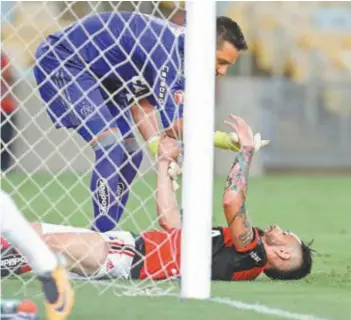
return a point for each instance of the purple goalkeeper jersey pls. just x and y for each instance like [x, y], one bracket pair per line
[141, 55]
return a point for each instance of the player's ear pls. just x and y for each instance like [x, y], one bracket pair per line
[282, 252]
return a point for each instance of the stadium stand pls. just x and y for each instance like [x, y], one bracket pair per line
[305, 41]
[31, 22]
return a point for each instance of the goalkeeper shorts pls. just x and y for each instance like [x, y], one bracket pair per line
[77, 99]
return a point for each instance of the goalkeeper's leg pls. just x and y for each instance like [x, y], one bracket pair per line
[56, 285]
[76, 101]
[105, 178]
[117, 160]
[132, 159]
[129, 169]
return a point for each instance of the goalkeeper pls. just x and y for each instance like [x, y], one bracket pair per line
[101, 72]
[239, 250]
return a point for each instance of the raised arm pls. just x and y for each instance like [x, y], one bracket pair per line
[167, 205]
[236, 187]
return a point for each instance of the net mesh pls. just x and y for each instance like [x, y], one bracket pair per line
[47, 171]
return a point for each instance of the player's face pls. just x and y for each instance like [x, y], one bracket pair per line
[226, 55]
[283, 248]
[274, 235]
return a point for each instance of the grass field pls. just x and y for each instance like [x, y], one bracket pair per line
[315, 207]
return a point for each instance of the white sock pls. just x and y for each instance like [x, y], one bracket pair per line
[16, 229]
[47, 228]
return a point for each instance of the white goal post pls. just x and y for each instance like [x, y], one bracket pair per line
[198, 149]
[49, 171]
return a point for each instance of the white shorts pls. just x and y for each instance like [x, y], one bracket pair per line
[121, 250]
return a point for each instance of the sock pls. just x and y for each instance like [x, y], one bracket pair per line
[128, 172]
[48, 228]
[104, 186]
[16, 229]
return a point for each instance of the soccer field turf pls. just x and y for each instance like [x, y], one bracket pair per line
[315, 207]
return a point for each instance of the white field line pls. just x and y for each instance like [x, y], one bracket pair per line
[262, 309]
[258, 308]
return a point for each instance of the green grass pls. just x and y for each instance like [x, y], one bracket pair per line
[315, 207]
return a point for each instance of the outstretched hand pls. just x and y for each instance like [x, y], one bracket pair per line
[258, 141]
[242, 130]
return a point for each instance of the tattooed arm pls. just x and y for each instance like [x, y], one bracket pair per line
[236, 187]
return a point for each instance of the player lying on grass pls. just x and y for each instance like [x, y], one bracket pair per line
[240, 251]
[90, 73]
[58, 293]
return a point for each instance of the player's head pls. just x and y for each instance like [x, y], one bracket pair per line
[289, 258]
[230, 41]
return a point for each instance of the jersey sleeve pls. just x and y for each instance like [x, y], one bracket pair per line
[255, 251]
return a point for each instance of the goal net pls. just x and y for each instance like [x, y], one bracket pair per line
[47, 170]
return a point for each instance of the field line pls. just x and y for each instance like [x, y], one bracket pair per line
[240, 305]
[262, 309]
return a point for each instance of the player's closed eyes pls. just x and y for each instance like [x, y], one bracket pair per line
[222, 62]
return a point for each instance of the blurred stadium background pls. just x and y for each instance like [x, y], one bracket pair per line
[293, 85]
[294, 81]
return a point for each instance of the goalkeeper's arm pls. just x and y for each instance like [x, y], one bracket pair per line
[144, 116]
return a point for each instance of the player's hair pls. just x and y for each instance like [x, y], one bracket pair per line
[229, 30]
[298, 273]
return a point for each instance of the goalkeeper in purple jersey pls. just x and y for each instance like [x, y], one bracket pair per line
[107, 70]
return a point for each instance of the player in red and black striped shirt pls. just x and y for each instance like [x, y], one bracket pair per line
[239, 250]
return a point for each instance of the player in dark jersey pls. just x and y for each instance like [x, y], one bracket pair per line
[239, 250]
[90, 73]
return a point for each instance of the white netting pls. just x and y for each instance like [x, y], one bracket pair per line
[47, 171]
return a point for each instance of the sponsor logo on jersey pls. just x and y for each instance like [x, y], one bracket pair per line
[120, 188]
[179, 96]
[139, 85]
[136, 88]
[163, 85]
[255, 256]
[177, 30]
[103, 196]
[85, 109]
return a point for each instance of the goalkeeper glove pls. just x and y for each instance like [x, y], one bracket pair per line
[230, 141]
[153, 143]
[225, 140]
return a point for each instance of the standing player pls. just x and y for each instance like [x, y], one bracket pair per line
[239, 251]
[57, 288]
[89, 74]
